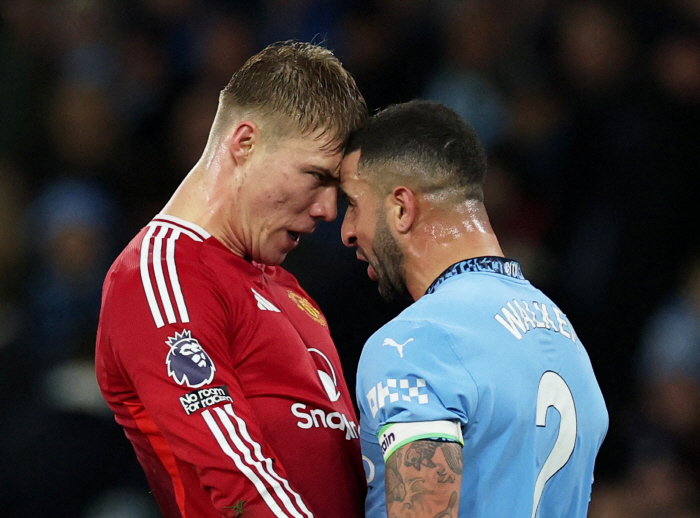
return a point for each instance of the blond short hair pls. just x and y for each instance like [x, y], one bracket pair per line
[297, 87]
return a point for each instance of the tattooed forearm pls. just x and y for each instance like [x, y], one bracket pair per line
[423, 480]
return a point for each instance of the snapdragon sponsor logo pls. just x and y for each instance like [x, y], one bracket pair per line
[327, 375]
[317, 418]
[204, 398]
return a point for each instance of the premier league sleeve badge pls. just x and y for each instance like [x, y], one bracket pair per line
[188, 363]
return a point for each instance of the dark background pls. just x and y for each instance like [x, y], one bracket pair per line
[589, 112]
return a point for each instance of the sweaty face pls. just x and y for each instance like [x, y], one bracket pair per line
[286, 189]
[366, 229]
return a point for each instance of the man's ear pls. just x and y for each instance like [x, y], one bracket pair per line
[403, 208]
[244, 139]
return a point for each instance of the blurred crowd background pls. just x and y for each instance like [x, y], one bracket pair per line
[590, 114]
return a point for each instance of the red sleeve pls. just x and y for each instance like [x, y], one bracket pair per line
[173, 359]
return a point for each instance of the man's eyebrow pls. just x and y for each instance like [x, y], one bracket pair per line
[327, 173]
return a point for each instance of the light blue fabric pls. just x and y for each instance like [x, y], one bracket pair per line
[482, 342]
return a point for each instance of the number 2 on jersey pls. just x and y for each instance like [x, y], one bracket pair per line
[553, 391]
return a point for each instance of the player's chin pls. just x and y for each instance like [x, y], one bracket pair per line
[276, 250]
[271, 257]
[274, 259]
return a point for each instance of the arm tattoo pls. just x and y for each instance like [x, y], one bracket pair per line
[420, 453]
[450, 506]
[395, 488]
[423, 480]
[453, 456]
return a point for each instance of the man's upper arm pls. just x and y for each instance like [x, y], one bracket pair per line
[409, 372]
[409, 396]
[423, 480]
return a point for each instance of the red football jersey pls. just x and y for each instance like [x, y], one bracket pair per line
[226, 380]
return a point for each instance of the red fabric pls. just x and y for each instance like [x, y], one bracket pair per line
[283, 443]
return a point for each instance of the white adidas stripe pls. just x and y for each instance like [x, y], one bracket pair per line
[188, 225]
[174, 279]
[146, 277]
[259, 470]
[193, 235]
[258, 454]
[160, 278]
[155, 236]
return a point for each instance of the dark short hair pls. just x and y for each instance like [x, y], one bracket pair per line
[299, 83]
[423, 144]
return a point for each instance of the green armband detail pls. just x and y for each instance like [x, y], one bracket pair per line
[394, 435]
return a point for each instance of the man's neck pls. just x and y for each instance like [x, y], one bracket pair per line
[188, 202]
[198, 200]
[443, 245]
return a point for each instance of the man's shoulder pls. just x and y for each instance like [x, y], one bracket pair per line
[428, 315]
[472, 300]
[162, 257]
[408, 371]
[402, 323]
[410, 331]
[156, 246]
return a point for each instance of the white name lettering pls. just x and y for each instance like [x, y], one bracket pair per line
[518, 319]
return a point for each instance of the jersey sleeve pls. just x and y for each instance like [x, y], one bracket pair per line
[409, 374]
[189, 400]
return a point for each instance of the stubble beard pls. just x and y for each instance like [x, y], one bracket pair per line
[388, 263]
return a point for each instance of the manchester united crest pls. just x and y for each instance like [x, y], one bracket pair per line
[308, 308]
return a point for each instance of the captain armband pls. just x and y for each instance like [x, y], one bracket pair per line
[394, 435]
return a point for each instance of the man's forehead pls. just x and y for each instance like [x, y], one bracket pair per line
[321, 155]
[318, 141]
[349, 167]
[322, 139]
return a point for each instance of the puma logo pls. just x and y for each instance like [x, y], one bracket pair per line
[393, 343]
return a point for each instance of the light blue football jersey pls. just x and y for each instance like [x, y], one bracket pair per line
[485, 350]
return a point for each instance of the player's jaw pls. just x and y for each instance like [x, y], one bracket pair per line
[282, 241]
[386, 263]
[282, 227]
[371, 272]
[294, 233]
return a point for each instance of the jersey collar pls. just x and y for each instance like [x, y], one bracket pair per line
[488, 264]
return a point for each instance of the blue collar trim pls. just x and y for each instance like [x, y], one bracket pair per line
[489, 264]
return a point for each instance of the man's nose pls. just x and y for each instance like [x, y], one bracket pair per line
[326, 204]
[347, 231]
